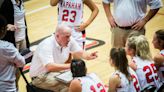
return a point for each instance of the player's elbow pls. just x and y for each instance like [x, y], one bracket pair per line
[52, 3]
[96, 10]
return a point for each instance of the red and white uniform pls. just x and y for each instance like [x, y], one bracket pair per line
[146, 72]
[161, 68]
[126, 85]
[136, 84]
[91, 83]
[71, 12]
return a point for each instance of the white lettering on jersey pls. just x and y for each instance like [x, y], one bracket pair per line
[72, 5]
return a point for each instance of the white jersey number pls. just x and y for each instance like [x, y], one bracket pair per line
[150, 70]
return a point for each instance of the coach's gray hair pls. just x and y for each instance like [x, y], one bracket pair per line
[142, 47]
[62, 28]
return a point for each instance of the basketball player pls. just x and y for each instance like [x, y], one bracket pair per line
[83, 82]
[71, 12]
[136, 85]
[138, 48]
[158, 42]
[123, 79]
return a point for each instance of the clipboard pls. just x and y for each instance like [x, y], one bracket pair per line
[64, 77]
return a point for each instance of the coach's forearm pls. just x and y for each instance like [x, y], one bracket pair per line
[151, 14]
[84, 55]
[52, 67]
[107, 10]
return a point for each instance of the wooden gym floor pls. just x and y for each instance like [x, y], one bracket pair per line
[42, 20]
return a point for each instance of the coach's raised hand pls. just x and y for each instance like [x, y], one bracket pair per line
[92, 55]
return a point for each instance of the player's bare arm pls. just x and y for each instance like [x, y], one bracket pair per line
[75, 86]
[54, 2]
[92, 6]
[158, 59]
[114, 82]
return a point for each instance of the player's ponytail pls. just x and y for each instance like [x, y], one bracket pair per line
[120, 61]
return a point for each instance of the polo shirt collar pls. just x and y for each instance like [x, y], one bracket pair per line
[56, 43]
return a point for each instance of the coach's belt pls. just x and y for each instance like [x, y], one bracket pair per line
[126, 28]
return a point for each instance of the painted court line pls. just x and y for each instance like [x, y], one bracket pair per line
[48, 6]
[37, 10]
[44, 7]
[160, 13]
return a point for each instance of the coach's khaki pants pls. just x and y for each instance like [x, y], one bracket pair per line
[119, 36]
[20, 45]
[48, 81]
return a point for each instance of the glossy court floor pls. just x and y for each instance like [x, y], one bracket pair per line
[42, 20]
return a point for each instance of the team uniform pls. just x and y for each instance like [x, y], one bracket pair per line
[161, 68]
[136, 84]
[91, 83]
[71, 12]
[126, 85]
[147, 73]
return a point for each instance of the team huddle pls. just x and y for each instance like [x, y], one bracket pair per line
[65, 49]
